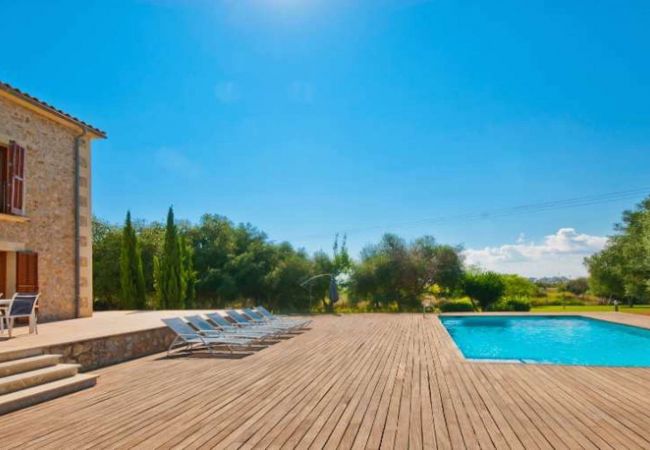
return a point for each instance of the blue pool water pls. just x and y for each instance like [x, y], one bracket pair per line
[550, 339]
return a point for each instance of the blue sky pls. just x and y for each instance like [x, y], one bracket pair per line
[308, 117]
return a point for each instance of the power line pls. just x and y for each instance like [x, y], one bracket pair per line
[519, 210]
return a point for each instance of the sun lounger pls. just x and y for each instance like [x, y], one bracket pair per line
[206, 328]
[259, 318]
[242, 321]
[191, 340]
[271, 317]
[225, 325]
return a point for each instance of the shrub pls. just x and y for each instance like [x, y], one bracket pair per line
[456, 306]
[484, 287]
[557, 301]
[518, 304]
[512, 304]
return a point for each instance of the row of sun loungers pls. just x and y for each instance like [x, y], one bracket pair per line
[235, 331]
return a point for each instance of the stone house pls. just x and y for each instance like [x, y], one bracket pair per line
[45, 210]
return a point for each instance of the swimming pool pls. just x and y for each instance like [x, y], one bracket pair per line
[573, 340]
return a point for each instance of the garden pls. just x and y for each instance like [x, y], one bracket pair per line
[216, 263]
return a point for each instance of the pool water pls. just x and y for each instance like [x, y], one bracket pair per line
[570, 340]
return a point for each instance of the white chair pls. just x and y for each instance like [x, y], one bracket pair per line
[21, 305]
[192, 340]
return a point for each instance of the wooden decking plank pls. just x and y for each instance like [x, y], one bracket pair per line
[553, 409]
[246, 413]
[612, 391]
[433, 413]
[312, 422]
[403, 419]
[264, 436]
[349, 423]
[356, 434]
[378, 425]
[608, 423]
[495, 431]
[164, 416]
[329, 418]
[407, 386]
[514, 424]
[599, 434]
[392, 416]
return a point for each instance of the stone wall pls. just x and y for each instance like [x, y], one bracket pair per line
[107, 350]
[49, 207]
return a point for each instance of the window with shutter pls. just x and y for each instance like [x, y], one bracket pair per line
[4, 176]
[27, 272]
[15, 183]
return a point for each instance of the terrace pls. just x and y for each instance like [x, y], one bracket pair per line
[355, 381]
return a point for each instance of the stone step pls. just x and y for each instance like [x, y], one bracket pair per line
[26, 364]
[18, 354]
[25, 380]
[44, 392]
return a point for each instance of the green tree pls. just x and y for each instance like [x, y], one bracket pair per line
[605, 276]
[168, 267]
[622, 269]
[439, 265]
[484, 287]
[282, 282]
[577, 286]
[213, 241]
[189, 274]
[518, 286]
[150, 237]
[131, 274]
[394, 271]
[107, 243]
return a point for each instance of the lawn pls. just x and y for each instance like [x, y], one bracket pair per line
[639, 309]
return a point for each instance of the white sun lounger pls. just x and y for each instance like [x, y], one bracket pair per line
[190, 339]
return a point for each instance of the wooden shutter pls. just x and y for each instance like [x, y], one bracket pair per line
[27, 272]
[3, 274]
[14, 191]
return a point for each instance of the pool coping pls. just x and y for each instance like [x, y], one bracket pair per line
[594, 316]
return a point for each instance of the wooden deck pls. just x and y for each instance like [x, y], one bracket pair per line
[357, 381]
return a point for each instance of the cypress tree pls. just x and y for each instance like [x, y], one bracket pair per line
[131, 272]
[189, 275]
[170, 285]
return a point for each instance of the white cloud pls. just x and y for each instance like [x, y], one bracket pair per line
[226, 91]
[561, 253]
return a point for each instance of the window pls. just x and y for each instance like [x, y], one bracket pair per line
[12, 180]
[3, 177]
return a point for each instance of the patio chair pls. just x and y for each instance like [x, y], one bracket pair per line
[271, 317]
[242, 321]
[21, 306]
[225, 325]
[204, 327]
[187, 337]
[260, 319]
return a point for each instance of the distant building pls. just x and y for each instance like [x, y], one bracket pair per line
[45, 211]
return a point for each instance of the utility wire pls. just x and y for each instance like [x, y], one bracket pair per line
[519, 210]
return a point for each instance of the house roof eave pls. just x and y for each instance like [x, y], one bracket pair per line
[43, 108]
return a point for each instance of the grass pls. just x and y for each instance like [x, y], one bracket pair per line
[639, 309]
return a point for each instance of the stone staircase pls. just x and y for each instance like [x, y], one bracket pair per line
[31, 378]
